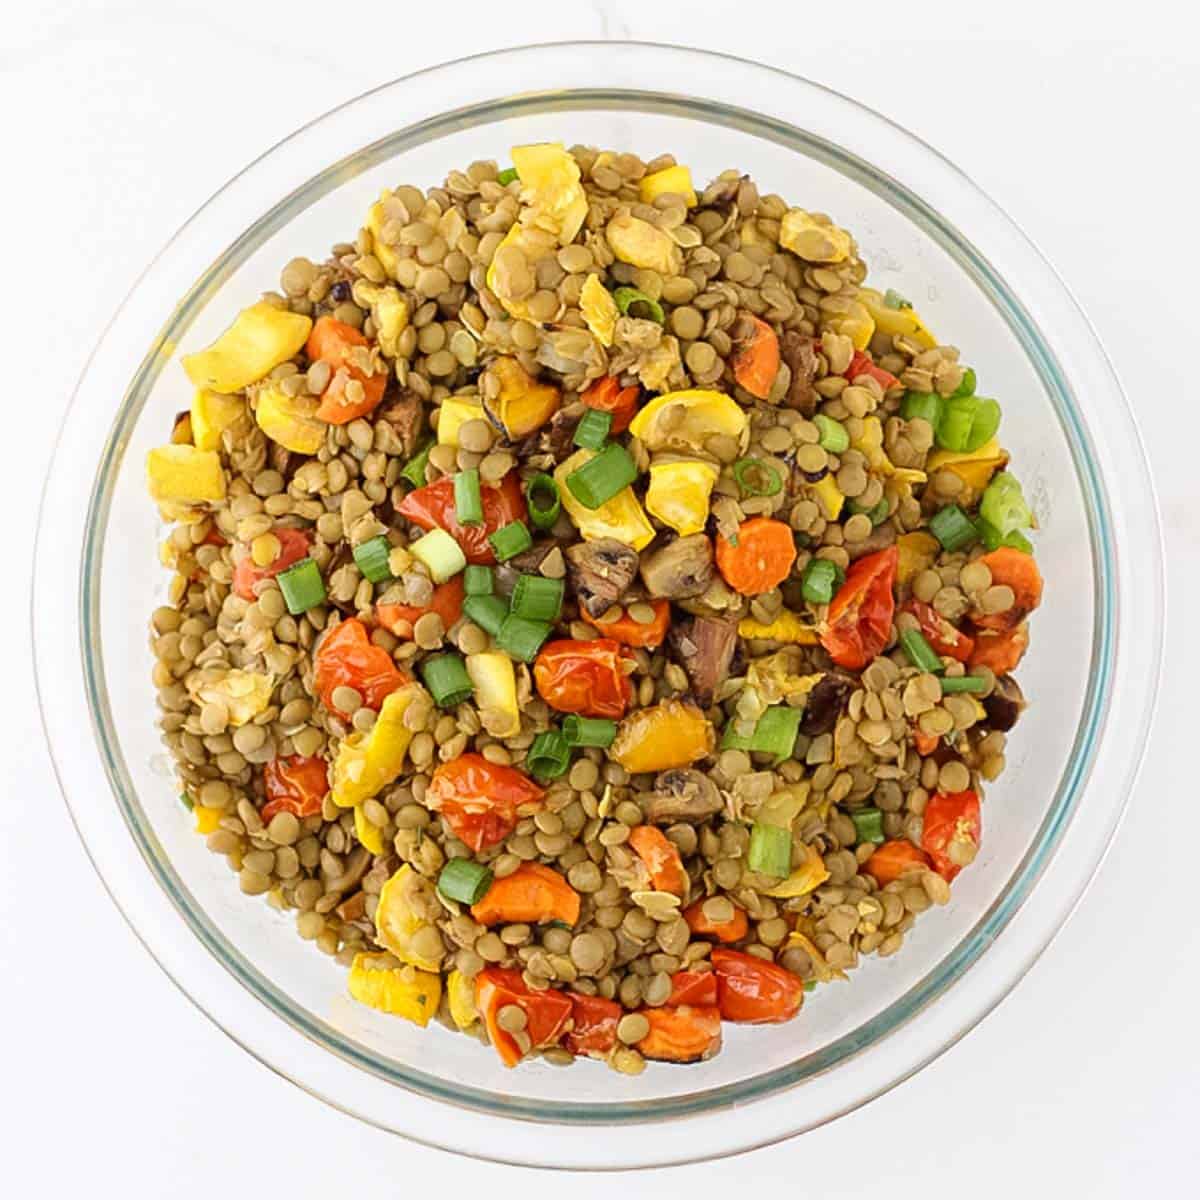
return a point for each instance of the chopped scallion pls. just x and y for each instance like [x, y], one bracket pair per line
[593, 429]
[774, 734]
[926, 406]
[302, 586]
[521, 638]
[488, 612]
[478, 581]
[628, 297]
[446, 678]
[601, 478]
[967, 387]
[549, 756]
[834, 436]
[893, 299]
[464, 880]
[371, 558]
[920, 653]
[505, 177]
[967, 423]
[187, 801]
[536, 598]
[963, 683]
[441, 554]
[868, 825]
[414, 469]
[952, 527]
[770, 850]
[589, 731]
[757, 478]
[1003, 505]
[819, 581]
[468, 499]
[511, 540]
[542, 500]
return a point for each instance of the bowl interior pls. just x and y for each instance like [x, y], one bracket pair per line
[908, 247]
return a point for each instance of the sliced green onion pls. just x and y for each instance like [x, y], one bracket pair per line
[542, 500]
[920, 653]
[775, 733]
[441, 554]
[468, 499]
[967, 387]
[549, 756]
[868, 825]
[810, 985]
[834, 436]
[952, 527]
[1003, 505]
[593, 429]
[1017, 541]
[967, 423]
[511, 540]
[603, 477]
[536, 598]
[521, 638]
[488, 612]
[926, 406]
[627, 297]
[505, 177]
[819, 581]
[446, 678]
[414, 469]
[963, 683]
[878, 514]
[893, 299]
[478, 581]
[464, 880]
[302, 586]
[770, 850]
[757, 478]
[589, 731]
[187, 801]
[371, 558]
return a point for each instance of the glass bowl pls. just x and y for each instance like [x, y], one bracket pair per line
[1091, 674]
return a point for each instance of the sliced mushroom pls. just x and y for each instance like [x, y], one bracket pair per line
[529, 561]
[600, 572]
[679, 569]
[682, 794]
[799, 353]
[1005, 704]
[825, 703]
[880, 538]
[405, 415]
[704, 647]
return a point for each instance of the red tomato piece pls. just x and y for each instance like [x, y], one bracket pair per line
[939, 633]
[344, 349]
[751, 989]
[629, 632]
[693, 987]
[447, 602]
[583, 677]
[293, 546]
[1000, 652]
[1017, 570]
[432, 507]
[683, 1034]
[594, 1028]
[732, 930]
[952, 831]
[893, 859]
[546, 1012]
[296, 784]
[661, 859]
[861, 364]
[479, 799]
[860, 617]
[607, 395]
[346, 657]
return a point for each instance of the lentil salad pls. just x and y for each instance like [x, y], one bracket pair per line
[593, 607]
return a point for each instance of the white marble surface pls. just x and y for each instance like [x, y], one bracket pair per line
[121, 117]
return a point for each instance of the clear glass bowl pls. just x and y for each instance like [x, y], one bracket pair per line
[1091, 674]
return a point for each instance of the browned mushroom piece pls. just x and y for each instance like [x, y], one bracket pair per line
[799, 352]
[405, 414]
[1005, 704]
[600, 573]
[682, 794]
[880, 538]
[679, 569]
[825, 703]
[704, 647]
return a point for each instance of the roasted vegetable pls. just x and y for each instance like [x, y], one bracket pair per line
[600, 312]
[401, 991]
[666, 735]
[367, 763]
[184, 475]
[550, 185]
[641, 244]
[682, 794]
[520, 404]
[686, 421]
[679, 493]
[811, 239]
[600, 572]
[621, 519]
[405, 920]
[289, 420]
[676, 180]
[260, 338]
[901, 321]
[679, 569]
[211, 414]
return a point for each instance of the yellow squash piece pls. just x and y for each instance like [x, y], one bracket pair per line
[523, 404]
[855, 323]
[869, 442]
[641, 244]
[460, 993]
[184, 475]
[916, 552]
[389, 311]
[682, 421]
[495, 681]
[290, 421]
[389, 260]
[811, 240]
[599, 309]
[787, 627]
[454, 413]
[208, 820]
[676, 180]
[829, 496]
[822, 971]
[370, 836]
[243, 693]
[807, 877]
[534, 245]
[256, 343]
[784, 806]
[896, 321]
[400, 991]
[211, 415]
[367, 763]
[679, 493]
[666, 735]
[404, 901]
[974, 468]
[550, 185]
[622, 517]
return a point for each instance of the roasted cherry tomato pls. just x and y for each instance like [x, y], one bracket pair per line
[1018, 571]
[346, 657]
[751, 989]
[447, 602]
[594, 1024]
[684, 1034]
[347, 353]
[861, 364]
[693, 987]
[660, 856]
[629, 632]
[609, 396]
[939, 633]
[432, 506]
[1000, 652]
[732, 930]
[297, 785]
[293, 546]
[860, 617]
[479, 799]
[893, 859]
[584, 677]
[546, 1012]
[952, 831]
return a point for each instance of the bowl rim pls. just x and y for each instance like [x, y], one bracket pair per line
[1058, 387]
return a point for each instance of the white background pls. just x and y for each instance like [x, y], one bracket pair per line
[121, 118]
